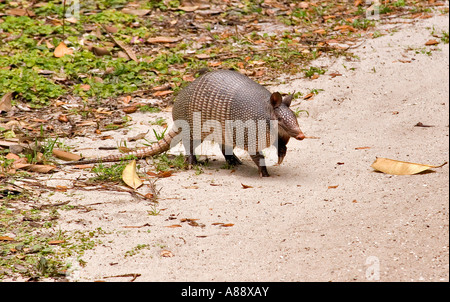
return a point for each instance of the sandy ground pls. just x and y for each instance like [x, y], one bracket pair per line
[324, 214]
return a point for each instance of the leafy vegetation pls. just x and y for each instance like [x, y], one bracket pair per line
[98, 68]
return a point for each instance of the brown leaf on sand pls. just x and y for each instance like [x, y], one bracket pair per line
[343, 28]
[396, 167]
[245, 186]
[335, 74]
[309, 96]
[130, 109]
[431, 42]
[227, 225]
[420, 124]
[65, 155]
[166, 254]
[40, 168]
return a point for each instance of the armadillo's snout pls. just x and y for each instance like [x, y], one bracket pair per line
[300, 136]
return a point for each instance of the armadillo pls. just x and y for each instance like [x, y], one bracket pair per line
[229, 103]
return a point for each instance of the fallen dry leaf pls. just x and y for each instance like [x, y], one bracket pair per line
[431, 42]
[63, 118]
[396, 167]
[5, 102]
[126, 48]
[111, 29]
[166, 253]
[136, 12]
[205, 56]
[245, 186]
[65, 155]
[53, 242]
[149, 196]
[6, 238]
[188, 8]
[129, 109]
[320, 31]
[163, 40]
[61, 188]
[130, 177]
[20, 165]
[162, 93]
[13, 156]
[344, 28]
[100, 51]
[165, 174]
[86, 166]
[335, 74]
[61, 50]
[20, 12]
[227, 225]
[308, 96]
[333, 187]
[420, 124]
[40, 168]
[174, 226]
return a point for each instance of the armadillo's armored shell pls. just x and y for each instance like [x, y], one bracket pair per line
[224, 99]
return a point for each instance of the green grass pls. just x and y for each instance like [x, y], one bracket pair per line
[111, 173]
[31, 253]
[313, 70]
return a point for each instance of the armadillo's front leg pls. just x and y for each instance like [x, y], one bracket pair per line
[261, 163]
[231, 159]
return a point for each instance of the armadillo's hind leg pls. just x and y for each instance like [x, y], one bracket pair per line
[260, 162]
[191, 159]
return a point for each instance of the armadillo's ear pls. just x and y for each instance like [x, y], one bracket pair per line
[288, 99]
[276, 99]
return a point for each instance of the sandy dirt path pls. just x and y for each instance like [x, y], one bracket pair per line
[324, 215]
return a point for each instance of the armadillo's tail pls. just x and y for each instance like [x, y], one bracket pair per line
[156, 148]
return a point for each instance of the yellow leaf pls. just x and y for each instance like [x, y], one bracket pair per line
[396, 167]
[130, 177]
